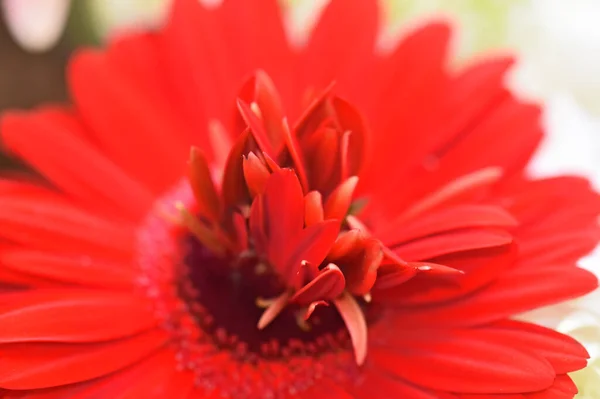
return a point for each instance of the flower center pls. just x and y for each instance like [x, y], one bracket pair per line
[230, 291]
[210, 305]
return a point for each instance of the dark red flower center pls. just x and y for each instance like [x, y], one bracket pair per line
[210, 304]
[229, 292]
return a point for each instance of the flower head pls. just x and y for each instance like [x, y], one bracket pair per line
[227, 215]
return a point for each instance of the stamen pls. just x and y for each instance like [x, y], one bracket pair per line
[312, 307]
[168, 214]
[260, 269]
[264, 303]
[199, 230]
[302, 321]
[273, 310]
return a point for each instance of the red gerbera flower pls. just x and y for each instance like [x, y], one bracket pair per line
[368, 238]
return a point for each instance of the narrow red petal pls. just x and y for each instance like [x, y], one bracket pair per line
[71, 316]
[313, 208]
[203, 186]
[79, 269]
[326, 286]
[321, 158]
[273, 310]
[266, 98]
[42, 365]
[257, 228]
[393, 275]
[234, 189]
[452, 242]
[337, 204]
[435, 269]
[345, 243]
[510, 294]
[361, 276]
[343, 21]
[356, 324]
[563, 352]
[355, 142]
[254, 122]
[52, 139]
[139, 113]
[493, 366]
[376, 384]
[456, 189]
[284, 212]
[445, 219]
[255, 173]
[310, 246]
[293, 148]
[44, 221]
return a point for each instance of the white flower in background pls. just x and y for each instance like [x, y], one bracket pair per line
[572, 142]
[560, 46]
[584, 324]
[572, 146]
[483, 24]
[110, 17]
[35, 24]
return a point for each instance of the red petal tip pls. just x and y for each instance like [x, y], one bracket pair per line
[356, 324]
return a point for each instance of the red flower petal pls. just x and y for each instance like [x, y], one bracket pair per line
[563, 352]
[356, 324]
[41, 365]
[326, 286]
[203, 186]
[97, 181]
[337, 204]
[480, 267]
[70, 315]
[512, 293]
[446, 219]
[493, 366]
[141, 120]
[375, 384]
[392, 275]
[459, 241]
[256, 174]
[43, 221]
[255, 124]
[310, 246]
[343, 21]
[260, 92]
[78, 269]
[235, 190]
[313, 208]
